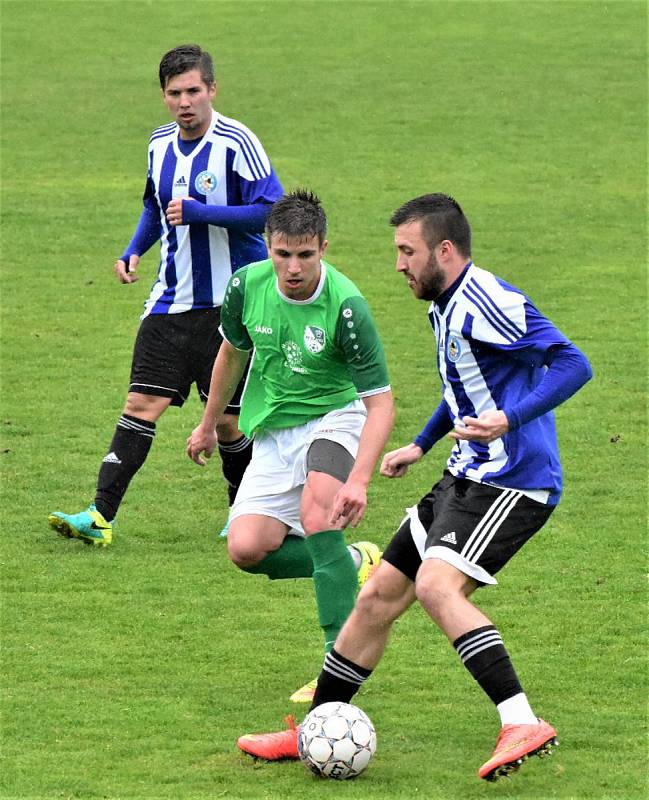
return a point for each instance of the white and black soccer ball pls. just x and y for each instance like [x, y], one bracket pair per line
[336, 740]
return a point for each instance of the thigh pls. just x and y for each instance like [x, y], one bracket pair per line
[160, 364]
[207, 341]
[406, 549]
[478, 527]
[317, 502]
[270, 486]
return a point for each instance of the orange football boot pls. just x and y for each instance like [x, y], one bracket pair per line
[272, 746]
[516, 743]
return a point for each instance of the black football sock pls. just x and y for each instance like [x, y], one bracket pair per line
[483, 653]
[340, 679]
[127, 452]
[235, 457]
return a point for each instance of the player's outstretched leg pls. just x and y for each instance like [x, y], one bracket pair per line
[516, 743]
[370, 556]
[90, 526]
[272, 746]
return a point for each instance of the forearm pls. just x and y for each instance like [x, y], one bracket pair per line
[567, 372]
[247, 218]
[437, 426]
[228, 368]
[374, 436]
[147, 232]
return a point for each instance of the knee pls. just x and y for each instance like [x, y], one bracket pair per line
[313, 520]
[434, 594]
[145, 406]
[227, 428]
[374, 608]
[243, 555]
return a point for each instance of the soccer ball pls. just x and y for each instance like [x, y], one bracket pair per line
[336, 740]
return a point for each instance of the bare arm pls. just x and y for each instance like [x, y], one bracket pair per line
[226, 374]
[351, 500]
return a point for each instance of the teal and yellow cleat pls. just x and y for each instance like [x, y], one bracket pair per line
[89, 526]
[370, 558]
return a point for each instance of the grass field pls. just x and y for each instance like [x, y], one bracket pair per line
[129, 672]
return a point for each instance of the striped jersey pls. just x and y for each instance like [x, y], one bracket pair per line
[228, 167]
[492, 346]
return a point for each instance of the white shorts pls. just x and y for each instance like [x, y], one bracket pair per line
[272, 484]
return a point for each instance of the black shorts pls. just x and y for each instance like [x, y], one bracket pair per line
[172, 351]
[473, 526]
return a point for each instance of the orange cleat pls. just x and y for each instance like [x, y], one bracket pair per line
[516, 743]
[272, 746]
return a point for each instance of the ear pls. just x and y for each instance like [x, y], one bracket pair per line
[213, 91]
[446, 249]
[323, 247]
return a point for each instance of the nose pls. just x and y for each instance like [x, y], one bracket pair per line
[294, 266]
[402, 263]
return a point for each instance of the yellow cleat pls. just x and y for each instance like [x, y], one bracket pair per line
[306, 693]
[370, 558]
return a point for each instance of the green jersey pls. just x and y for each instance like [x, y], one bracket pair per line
[310, 356]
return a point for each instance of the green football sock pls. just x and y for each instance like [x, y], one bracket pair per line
[291, 560]
[335, 579]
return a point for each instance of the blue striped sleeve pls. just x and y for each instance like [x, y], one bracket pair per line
[149, 227]
[247, 218]
[437, 426]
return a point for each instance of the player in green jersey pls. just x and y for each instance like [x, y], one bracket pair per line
[317, 402]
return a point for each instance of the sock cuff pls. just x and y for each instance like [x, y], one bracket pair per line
[327, 546]
[236, 446]
[477, 640]
[136, 425]
[343, 668]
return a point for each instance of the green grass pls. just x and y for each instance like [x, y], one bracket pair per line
[129, 673]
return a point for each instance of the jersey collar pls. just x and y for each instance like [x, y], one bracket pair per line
[443, 300]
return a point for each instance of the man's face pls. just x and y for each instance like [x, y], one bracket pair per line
[189, 100]
[297, 264]
[426, 277]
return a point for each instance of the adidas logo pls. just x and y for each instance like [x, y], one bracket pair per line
[111, 458]
[449, 537]
[181, 181]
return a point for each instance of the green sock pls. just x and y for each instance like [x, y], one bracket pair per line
[335, 579]
[291, 560]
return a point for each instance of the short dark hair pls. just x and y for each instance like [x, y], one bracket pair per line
[297, 215]
[441, 218]
[183, 59]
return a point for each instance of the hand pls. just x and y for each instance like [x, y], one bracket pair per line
[127, 274]
[201, 441]
[488, 426]
[395, 463]
[174, 212]
[349, 505]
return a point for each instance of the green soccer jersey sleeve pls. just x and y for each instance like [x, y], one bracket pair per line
[232, 312]
[357, 337]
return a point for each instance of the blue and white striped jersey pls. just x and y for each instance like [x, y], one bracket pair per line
[492, 348]
[228, 167]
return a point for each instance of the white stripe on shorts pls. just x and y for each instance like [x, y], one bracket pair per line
[489, 524]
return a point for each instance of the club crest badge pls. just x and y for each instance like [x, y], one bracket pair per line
[453, 348]
[314, 339]
[205, 182]
[293, 356]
